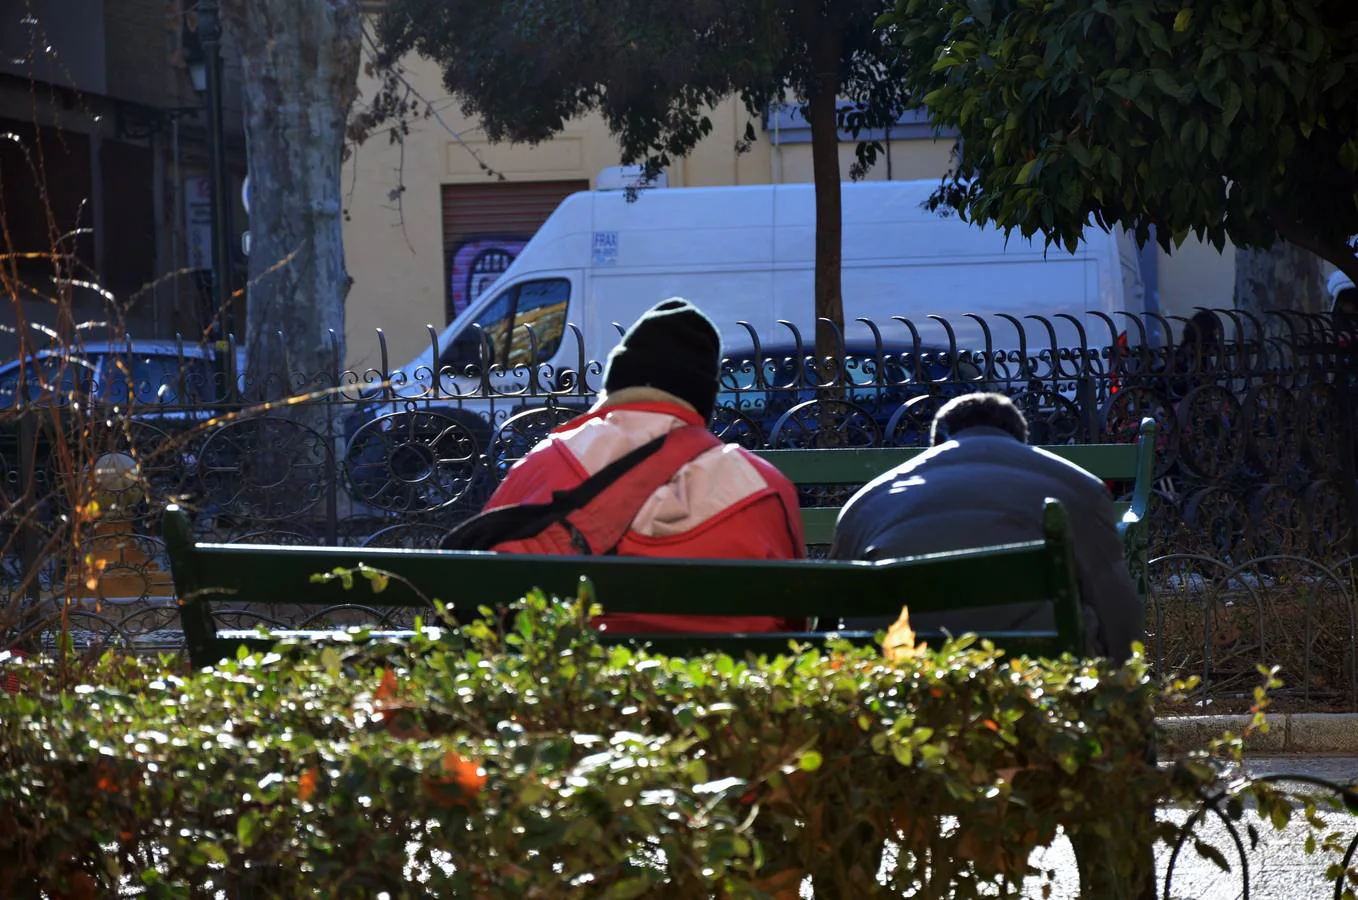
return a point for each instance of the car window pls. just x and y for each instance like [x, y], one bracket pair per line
[156, 378]
[48, 377]
[505, 327]
[9, 385]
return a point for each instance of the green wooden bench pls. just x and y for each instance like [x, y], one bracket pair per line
[1110, 462]
[1036, 571]
[1039, 571]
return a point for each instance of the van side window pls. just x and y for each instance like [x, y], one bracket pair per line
[505, 327]
[466, 350]
[541, 318]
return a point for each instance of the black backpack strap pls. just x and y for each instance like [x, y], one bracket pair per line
[602, 521]
[522, 521]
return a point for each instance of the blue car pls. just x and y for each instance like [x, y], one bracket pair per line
[152, 380]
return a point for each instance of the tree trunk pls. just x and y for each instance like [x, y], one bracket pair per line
[821, 106]
[301, 64]
[1283, 278]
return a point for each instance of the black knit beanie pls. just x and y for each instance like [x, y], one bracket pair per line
[672, 347]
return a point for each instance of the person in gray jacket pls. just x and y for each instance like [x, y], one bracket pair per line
[981, 484]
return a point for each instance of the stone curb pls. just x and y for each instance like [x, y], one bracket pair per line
[1287, 732]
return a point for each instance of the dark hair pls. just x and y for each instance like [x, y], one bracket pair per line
[1346, 302]
[1203, 330]
[977, 410]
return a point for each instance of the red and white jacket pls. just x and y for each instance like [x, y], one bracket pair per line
[725, 504]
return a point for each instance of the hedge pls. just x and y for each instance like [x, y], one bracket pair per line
[536, 763]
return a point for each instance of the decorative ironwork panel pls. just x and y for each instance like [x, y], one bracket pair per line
[1254, 500]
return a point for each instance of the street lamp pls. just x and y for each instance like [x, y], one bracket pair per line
[206, 73]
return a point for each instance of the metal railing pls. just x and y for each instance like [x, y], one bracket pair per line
[1252, 517]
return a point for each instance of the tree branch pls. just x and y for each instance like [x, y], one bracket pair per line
[1341, 255]
[430, 111]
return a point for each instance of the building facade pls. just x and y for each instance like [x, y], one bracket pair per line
[105, 160]
[104, 165]
[434, 220]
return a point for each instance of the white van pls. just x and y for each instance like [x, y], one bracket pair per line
[746, 254]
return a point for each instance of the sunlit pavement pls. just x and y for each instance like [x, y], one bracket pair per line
[1279, 868]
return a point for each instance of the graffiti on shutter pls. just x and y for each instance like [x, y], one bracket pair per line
[475, 266]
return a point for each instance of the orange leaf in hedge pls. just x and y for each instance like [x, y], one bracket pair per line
[387, 689]
[459, 782]
[106, 781]
[306, 785]
[899, 644]
[470, 777]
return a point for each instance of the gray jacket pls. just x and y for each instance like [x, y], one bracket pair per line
[983, 488]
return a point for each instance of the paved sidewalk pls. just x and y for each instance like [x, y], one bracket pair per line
[1279, 868]
[1288, 733]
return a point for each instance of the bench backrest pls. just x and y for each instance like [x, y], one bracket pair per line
[1034, 572]
[859, 465]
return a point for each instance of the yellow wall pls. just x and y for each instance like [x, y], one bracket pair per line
[1196, 275]
[909, 160]
[396, 257]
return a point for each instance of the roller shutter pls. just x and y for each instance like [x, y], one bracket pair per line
[485, 226]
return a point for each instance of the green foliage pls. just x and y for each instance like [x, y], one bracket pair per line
[653, 71]
[1234, 119]
[537, 763]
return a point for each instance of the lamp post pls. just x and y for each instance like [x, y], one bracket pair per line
[207, 79]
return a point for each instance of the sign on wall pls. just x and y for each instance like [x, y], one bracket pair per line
[245, 202]
[198, 221]
[605, 248]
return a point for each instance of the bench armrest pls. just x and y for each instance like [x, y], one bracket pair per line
[1145, 471]
[1132, 527]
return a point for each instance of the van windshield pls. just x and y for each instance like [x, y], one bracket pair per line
[523, 316]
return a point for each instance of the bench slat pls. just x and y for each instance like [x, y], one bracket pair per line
[260, 573]
[1034, 572]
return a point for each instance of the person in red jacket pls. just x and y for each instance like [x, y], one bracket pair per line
[723, 503]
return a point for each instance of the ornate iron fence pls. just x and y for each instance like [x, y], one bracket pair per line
[1252, 517]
